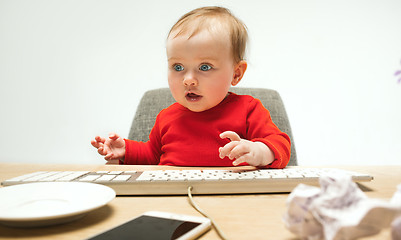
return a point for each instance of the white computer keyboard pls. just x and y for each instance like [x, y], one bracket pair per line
[176, 182]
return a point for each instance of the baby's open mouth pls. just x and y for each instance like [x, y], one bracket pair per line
[193, 97]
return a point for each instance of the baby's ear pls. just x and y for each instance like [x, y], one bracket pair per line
[239, 71]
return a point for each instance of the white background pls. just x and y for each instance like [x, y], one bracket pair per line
[70, 70]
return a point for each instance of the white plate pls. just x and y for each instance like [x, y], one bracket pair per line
[49, 203]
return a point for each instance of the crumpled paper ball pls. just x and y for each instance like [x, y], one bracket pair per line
[339, 210]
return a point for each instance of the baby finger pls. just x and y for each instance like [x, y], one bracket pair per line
[240, 160]
[239, 150]
[100, 150]
[226, 150]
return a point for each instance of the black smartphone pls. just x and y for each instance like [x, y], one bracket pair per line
[156, 225]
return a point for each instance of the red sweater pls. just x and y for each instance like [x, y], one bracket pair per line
[181, 137]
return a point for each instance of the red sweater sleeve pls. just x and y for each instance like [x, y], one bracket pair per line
[144, 153]
[261, 128]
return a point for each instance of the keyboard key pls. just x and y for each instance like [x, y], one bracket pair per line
[72, 176]
[55, 176]
[279, 175]
[105, 178]
[89, 178]
[145, 176]
[121, 178]
[39, 177]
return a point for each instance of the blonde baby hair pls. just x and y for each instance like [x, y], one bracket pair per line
[214, 19]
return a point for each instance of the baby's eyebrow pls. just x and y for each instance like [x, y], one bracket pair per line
[200, 59]
[173, 59]
[209, 58]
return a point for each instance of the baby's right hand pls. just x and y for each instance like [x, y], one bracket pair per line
[112, 148]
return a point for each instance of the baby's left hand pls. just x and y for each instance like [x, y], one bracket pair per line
[254, 153]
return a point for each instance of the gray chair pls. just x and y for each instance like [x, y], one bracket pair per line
[154, 101]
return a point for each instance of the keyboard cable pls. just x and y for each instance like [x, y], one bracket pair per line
[194, 205]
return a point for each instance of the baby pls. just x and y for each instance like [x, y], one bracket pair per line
[208, 125]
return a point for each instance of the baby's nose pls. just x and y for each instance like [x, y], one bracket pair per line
[190, 81]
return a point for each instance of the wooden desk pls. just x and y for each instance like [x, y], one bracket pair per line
[240, 216]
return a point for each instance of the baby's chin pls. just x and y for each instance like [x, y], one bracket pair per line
[201, 105]
[193, 109]
[197, 108]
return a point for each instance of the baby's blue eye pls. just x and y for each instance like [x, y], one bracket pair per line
[205, 67]
[178, 68]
